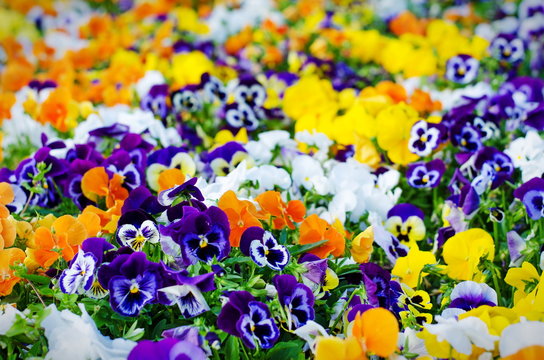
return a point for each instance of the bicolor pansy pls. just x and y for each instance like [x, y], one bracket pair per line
[425, 175]
[264, 249]
[405, 221]
[136, 228]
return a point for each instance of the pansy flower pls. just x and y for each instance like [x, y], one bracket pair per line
[405, 221]
[186, 99]
[249, 91]
[132, 282]
[409, 269]
[378, 285]
[508, 48]
[389, 243]
[425, 137]
[425, 175]
[248, 319]
[462, 69]
[242, 214]
[204, 235]
[297, 299]
[238, 115]
[314, 229]
[97, 183]
[78, 278]
[187, 293]
[466, 136]
[264, 249]
[531, 194]
[102, 251]
[226, 158]
[135, 228]
[213, 88]
[283, 214]
[120, 162]
[8, 258]
[468, 295]
[155, 100]
[498, 162]
[186, 191]
[167, 348]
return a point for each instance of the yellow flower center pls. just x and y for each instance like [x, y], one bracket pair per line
[203, 241]
[463, 142]
[461, 71]
[423, 138]
[134, 288]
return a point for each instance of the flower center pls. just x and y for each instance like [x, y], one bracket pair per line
[82, 273]
[425, 179]
[203, 241]
[423, 138]
[463, 142]
[497, 168]
[134, 289]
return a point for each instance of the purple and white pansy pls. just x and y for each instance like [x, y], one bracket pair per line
[297, 300]
[136, 228]
[462, 69]
[425, 137]
[78, 278]
[264, 249]
[532, 195]
[425, 175]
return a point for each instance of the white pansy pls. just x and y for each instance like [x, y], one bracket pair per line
[462, 334]
[308, 173]
[268, 177]
[309, 333]
[73, 337]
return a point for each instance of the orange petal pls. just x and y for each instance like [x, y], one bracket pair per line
[296, 210]
[170, 178]
[95, 183]
[535, 352]
[7, 233]
[68, 226]
[378, 330]
[91, 221]
[6, 193]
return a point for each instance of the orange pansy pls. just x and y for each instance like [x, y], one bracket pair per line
[314, 229]
[59, 110]
[9, 257]
[242, 214]
[96, 183]
[407, 23]
[64, 238]
[377, 330]
[283, 214]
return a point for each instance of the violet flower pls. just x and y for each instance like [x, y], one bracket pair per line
[249, 320]
[405, 222]
[155, 100]
[78, 277]
[187, 293]
[531, 194]
[168, 348]
[135, 228]
[185, 191]
[462, 69]
[498, 162]
[425, 137]
[297, 299]
[469, 295]
[264, 249]
[132, 281]
[425, 175]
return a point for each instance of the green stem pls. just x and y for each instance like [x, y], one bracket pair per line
[337, 320]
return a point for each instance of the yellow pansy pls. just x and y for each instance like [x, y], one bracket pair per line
[521, 278]
[463, 251]
[187, 68]
[224, 136]
[408, 268]
[496, 317]
[361, 245]
[394, 126]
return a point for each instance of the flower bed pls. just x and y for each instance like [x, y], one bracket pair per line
[271, 179]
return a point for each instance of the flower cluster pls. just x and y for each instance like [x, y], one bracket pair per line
[264, 179]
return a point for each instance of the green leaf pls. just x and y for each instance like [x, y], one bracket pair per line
[299, 249]
[38, 279]
[232, 348]
[285, 351]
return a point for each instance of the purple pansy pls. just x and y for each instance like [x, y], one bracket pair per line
[468, 295]
[466, 136]
[264, 249]
[135, 228]
[316, 270]
[132, 282]
[249, 91]
[378, 285]
[248, 319]
[168, 349]
[187, 293]
[531, 194]
[240, 115]
[213, 88]
[462, 69]
[392, 247]
[204, 235]
[297, 299]
[185, 191]
[78, 277]
[425, 175]
[498, 162]
[155, 100]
